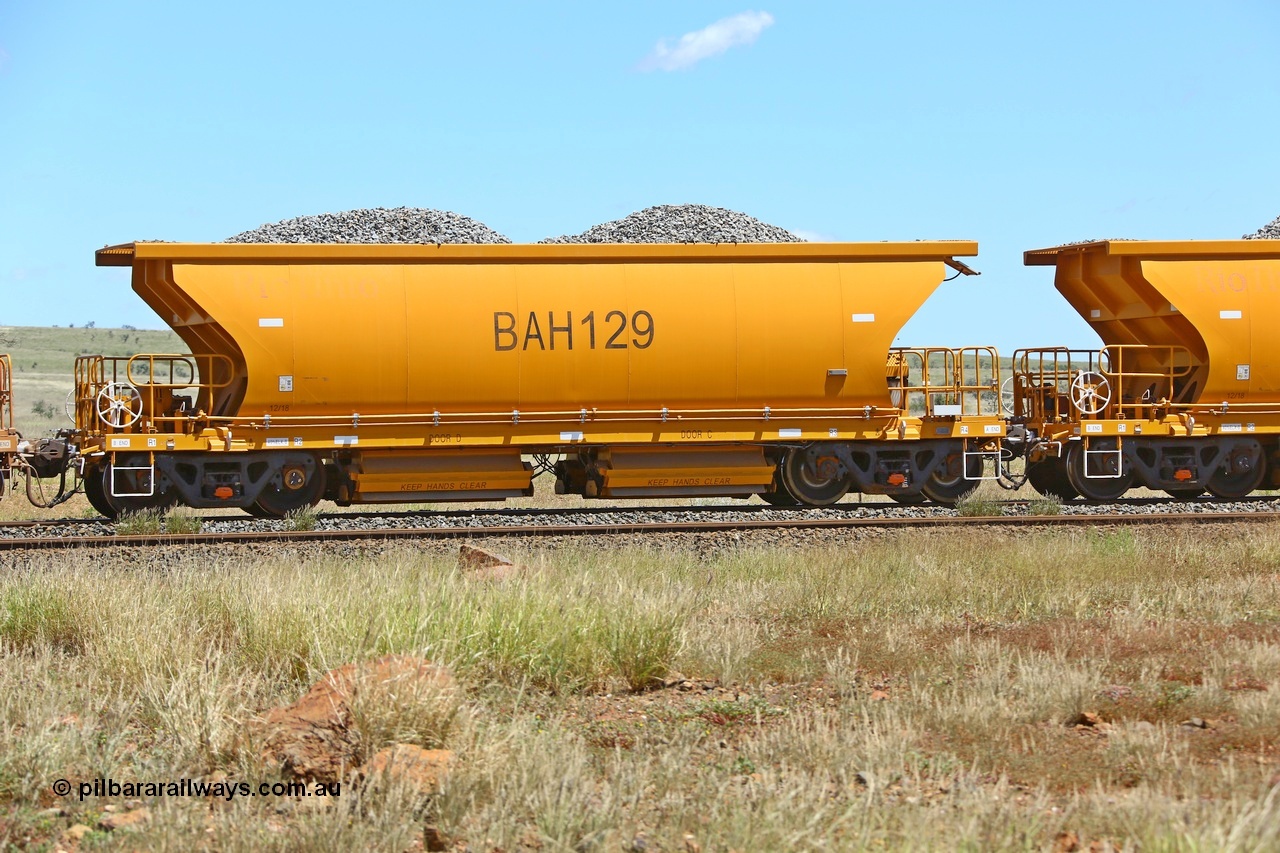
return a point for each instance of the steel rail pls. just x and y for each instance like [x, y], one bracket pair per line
[632, 529]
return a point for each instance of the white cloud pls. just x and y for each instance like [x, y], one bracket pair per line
[713, 40]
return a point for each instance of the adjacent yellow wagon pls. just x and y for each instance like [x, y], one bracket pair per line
[1184, 396]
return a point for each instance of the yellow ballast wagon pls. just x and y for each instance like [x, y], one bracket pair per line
[398, 373]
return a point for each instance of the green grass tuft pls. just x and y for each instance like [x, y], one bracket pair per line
[37, 614]
[182, 520]
[302, 519]
[977, 506]
[147, 522]
[1047, 505]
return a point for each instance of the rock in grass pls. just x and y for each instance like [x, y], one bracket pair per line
[471, 557]
[479, 564]
[406, 765]
[317, 738]
[123, 820]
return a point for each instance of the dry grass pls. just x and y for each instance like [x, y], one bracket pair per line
[913, 692]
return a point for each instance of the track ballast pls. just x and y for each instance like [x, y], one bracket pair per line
[634, 521]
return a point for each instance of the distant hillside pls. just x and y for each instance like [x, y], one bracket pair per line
[44, 364]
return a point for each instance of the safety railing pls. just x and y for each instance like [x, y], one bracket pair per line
[145, 393]
[6, 392]
[941, 381]
[1146, 379]
[1056, 384]
[1042, 381]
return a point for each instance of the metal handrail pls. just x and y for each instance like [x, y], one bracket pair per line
[1170, 354]
[963, 381]
[153, 376]
[1043, 379]
[6, 392]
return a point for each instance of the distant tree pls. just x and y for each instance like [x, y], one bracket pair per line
[90, 324]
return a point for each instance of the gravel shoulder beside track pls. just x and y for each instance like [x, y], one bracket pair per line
[526, 550]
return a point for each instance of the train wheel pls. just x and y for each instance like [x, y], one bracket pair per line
[1185, 494]
[1241, 473]
[1049, 477]
[949, 485]
[96, 491]
[1103, 486]
[808, 480]
[300, 486]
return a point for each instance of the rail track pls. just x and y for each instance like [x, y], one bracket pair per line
[1205, 504]
[706, 525]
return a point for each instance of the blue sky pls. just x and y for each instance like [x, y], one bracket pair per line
[1019, 125]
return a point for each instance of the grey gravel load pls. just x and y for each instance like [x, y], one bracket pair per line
[682, 223]
[1270, 231]
[375, 225]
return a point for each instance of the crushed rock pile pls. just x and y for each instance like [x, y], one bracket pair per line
[375, 225]
[1270, 231]
[682, 223]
